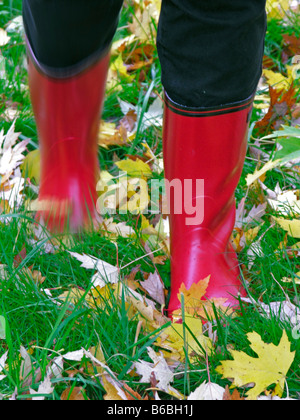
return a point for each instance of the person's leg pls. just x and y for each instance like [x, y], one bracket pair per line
[211, 57]
[68, 45]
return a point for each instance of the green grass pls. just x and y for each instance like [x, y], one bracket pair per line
[47, 329]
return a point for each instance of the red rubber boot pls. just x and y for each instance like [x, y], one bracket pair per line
[208, 145]
[67, 113]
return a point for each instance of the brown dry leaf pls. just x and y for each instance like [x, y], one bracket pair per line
[139, 58]
[73, 394]
[235, 396]
[193, 296]
[159, 260]
[135, 168]
[133, 395]
[282, 101]
[129, 120]
[293, 43]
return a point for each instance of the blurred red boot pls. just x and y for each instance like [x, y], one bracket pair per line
[67, 113]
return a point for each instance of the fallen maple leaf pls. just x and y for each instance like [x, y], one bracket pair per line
[270, 367]
[281, 103]
[129, 121]
[195, 303]
[235, 396]
[292, 227]
[293, 43]
[118, 67]
[135, 168]
[277, 80]
[192, 298]
[185, 339]
[133, 395]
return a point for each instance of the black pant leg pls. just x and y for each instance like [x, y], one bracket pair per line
[64, 33]
[211, 50]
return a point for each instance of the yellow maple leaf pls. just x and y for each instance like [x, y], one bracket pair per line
[194, 304]
[135, 168]
[277, 80]
[119, 67]
[193, 295]
[4, 38]
[292, 227]
[188, 338]
[270, 367]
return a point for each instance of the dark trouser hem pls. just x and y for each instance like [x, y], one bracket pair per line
[198, 112]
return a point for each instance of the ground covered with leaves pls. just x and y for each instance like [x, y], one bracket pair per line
[83, 317]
